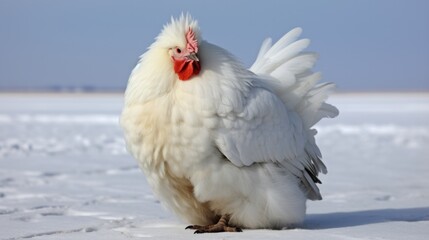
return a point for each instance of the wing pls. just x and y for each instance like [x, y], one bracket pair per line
[267, 132]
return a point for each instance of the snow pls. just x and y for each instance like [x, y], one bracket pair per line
[65, 173]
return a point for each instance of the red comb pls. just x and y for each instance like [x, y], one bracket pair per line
[192, 43]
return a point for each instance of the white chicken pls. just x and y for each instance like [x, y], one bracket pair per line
[222, 146]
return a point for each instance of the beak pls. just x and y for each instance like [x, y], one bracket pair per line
[193, 56]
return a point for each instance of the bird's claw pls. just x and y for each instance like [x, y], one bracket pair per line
[220, 226]
[190, 227]
[213, 228]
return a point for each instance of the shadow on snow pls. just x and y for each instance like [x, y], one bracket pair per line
[353, 219]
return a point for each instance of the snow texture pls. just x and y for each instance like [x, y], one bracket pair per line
[65, 173]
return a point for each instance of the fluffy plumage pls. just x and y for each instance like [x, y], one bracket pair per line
[230, 140]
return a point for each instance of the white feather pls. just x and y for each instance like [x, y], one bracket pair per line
[229, 140]
[266, 45]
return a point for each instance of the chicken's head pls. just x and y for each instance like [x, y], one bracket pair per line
[174, 56]
[180, 42]
[185, 59]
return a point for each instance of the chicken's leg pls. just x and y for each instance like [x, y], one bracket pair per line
[220, 226]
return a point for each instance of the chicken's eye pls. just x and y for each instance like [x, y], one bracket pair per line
[178, 50]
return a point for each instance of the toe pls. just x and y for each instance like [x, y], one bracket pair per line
[190, 227]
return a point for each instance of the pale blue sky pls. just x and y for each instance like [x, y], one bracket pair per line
[364, 45]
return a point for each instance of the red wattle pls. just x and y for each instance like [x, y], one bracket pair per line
[185, 69]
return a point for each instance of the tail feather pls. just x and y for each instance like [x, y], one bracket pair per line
[284, 55]
[288, 70]
[313, 107]
[270, 57]
[301, 63]
[266, 45]
[285, 41]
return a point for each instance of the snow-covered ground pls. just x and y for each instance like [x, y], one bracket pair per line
[65, 174]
